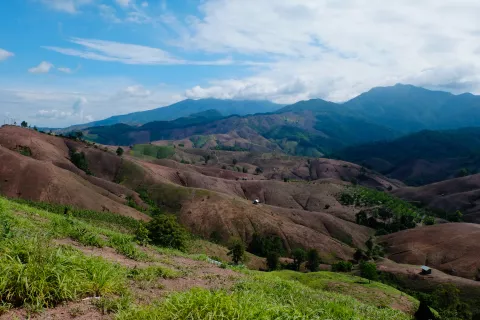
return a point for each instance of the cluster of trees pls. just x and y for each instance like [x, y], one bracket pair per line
[384, 212]
[163, 230]
[79, 160]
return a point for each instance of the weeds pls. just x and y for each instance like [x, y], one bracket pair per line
[35, 274]
[125, 245]
[262, 297]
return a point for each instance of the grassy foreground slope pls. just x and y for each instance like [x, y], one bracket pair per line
[49, 261]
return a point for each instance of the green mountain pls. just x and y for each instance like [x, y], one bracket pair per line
[185, 108]
[423, 157]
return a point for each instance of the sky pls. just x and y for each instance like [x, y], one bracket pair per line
[65, 62]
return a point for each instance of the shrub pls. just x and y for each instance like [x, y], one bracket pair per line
[234, 161]
[237, 251]
[429, 220]
[119, 151]
[299, 256]
[313, 260]
[368, 271]
[165, 231]
[273, 261]
[342, 266]
[245, 170]
[141, 234]
[24, 124]
[79, 160]
[263, 245]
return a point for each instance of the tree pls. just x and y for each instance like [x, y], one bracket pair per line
[207, 158]
[342, 266]
[360, 255]
[368, 270]
[24, 124]
[234, 161]
[35, 128]
[258, 170]
[313, 260]
[120, 151]
[79, 135]
[299, 256]
[463, 172]
[165, 231]
[237, 251]
[245, 170]
[273, 261]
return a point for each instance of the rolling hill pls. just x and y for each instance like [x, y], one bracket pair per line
[423, 157]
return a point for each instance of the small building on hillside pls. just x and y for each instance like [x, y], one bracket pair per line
[426, 270]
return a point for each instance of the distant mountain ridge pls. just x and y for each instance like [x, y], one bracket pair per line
[311, 128]
[185, 108]
[423, 157]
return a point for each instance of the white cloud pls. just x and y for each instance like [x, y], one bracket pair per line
[64, 70]
[109, 13]
[127, 53]
[43, 67]
[70, 100]
[135, 91]
[4, 54]
[337, 49]
[144, 4]
[69, 6]
[123, 3]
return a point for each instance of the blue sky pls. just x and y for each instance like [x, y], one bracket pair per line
[64, 62]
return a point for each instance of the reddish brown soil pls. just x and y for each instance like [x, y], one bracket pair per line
[452, 247]
[49, 176]
[456, 194]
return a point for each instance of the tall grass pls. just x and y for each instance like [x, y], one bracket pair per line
[107, 218]
[35, 274]
[262, 297]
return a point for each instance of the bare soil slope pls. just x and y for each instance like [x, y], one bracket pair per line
[456, 194]
[48, 175]
[451, 247]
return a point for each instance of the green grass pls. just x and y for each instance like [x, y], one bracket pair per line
[151, 151]
[259, 297]
[374, 293]
[35, 274]
[110, 219]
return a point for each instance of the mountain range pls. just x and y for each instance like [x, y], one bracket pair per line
[185, 108]
[309, 128]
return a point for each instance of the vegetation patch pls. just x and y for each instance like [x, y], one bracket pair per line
[152, 151]
[260, 297]
[374, 293]
[382, 211]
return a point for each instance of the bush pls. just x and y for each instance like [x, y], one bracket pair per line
[342, 266]
[79, 160]
[245, 170]
[165, 231]
[429, 221]
[263, 245]
[299, 256]
[368, 271]
[237, 251]
[273, 261]
[313, 260]
[141, 234]
[120, 151]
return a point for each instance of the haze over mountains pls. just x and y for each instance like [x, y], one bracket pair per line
[309, 128]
